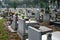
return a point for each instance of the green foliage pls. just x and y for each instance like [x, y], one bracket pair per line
[23, 17]
[3, 35]
[53, 0]
[15, 4]
[42, 4]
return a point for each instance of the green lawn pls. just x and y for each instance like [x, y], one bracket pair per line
[3, 33]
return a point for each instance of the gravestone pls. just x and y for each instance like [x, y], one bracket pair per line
[13, 22]
[21, 27]
[34, 34]
[36, 14]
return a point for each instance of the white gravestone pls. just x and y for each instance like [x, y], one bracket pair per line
[34, 34]
[13, 22]
[21, 26]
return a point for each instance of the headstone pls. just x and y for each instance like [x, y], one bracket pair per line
[56, 35]
[13, 22]
[21, 26]
[36, 14]
[34, 34]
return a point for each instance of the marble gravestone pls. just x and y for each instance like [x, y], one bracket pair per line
[32, 13]
[13, 22]
[56, 35]
[21, 28]
[34, 34]
[36, 14]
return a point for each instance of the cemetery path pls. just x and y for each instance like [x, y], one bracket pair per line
[5, 34]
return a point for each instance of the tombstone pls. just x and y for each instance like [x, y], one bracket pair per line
[21, 25]
[13, 22]
[28, 12]
[53, 15]
[11, 10]
[32, 13]
[34, 34]
[21, 28]
[46, 17]
[56, 35]
[36, 14]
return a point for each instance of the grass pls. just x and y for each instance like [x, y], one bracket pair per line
[3, 33]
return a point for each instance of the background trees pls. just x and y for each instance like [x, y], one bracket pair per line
[33, 3]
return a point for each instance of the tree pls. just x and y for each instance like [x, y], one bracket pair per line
[58, 3]
[15, 4]
[42, 4]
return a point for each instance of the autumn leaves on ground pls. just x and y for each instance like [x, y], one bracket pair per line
[5, 34]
